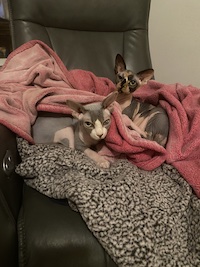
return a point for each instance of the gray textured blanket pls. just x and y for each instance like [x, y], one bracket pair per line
[141, 218]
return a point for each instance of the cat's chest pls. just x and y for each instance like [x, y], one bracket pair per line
[124, 100]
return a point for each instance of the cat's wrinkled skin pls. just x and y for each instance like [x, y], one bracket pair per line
[92, 126]
[151, 122]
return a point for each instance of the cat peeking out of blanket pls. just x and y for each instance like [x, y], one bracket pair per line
[151, 122]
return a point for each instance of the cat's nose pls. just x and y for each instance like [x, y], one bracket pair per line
[99, 135]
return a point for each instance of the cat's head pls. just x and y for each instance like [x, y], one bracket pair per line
[94, 118]
[126, 80]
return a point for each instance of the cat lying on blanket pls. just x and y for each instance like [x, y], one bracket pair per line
[149, 121]
[91, 127]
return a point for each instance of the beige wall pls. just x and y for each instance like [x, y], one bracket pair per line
[174, 33]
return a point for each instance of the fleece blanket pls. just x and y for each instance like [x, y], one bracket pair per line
[141, 218]
[35, 79]
[182, 104]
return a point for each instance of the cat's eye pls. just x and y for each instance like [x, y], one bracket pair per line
[88, 124]
[106, 122]
[133, 82]
[120, 77]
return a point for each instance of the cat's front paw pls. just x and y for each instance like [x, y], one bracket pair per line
[103, 163]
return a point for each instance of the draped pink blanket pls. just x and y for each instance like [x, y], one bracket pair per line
[34, 79]
[182, 104]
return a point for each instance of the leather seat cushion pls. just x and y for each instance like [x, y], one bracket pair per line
[49, 229]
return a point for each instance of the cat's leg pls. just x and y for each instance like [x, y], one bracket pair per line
[129, 123]
[64, 136]
[99, 160]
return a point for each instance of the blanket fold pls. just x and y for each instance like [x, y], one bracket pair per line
[34, 79]
[182, 104]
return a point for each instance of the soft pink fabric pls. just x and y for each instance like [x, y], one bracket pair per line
[182, 104]
[145, 154]
[35, 79]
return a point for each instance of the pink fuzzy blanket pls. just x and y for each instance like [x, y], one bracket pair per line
[182, 104]
[34, 79]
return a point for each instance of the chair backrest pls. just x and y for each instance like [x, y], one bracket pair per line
[86, 34]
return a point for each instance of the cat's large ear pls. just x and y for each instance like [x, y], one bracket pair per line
[145, 75]
[77, 108]
[120, 64]
[108, 102]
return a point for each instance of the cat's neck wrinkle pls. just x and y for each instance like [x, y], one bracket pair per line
[124, 100]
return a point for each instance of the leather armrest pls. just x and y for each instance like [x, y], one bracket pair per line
[10, 182]
[10, 198]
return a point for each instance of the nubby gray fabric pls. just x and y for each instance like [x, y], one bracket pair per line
[141, 218]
